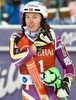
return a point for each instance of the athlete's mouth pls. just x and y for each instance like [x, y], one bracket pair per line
[31, 26]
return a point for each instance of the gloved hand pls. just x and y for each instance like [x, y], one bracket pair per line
[16, 37]
[65, 88]
[43, 39]
[49, 35]
[52, 77]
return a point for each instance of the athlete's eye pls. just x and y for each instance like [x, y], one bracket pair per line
[35, 17]
[27, 17]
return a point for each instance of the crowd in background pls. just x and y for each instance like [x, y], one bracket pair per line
[11, 13]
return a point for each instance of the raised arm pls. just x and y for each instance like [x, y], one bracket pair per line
[20, 57]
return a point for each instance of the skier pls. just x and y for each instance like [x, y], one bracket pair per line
[39, 41]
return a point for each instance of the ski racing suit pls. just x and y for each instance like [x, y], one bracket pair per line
[45, 58]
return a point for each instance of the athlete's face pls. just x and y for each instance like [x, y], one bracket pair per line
[33, 21]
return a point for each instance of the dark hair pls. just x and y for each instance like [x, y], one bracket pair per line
[44, 23]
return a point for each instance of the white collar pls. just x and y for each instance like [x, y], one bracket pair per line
[32, 35]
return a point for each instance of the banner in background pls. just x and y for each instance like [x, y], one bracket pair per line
[68, 34]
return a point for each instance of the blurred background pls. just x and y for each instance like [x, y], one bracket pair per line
[61, 16]
[60, 11]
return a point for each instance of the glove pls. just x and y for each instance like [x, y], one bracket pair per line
[43, 39]
[16, 37]
[49, 35]
[64, 91]
[52, 77]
